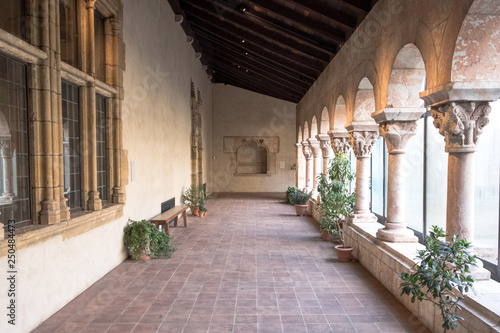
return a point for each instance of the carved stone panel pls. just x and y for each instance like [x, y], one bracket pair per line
[231, 144]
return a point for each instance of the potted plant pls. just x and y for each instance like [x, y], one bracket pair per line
[202, 211]
[442, 276]
[299, 199]
[191, 197]
[337, 202]
[289, 193]
[144, 240]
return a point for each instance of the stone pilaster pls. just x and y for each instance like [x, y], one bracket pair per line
[326, 149]
[362, 137]
[396, 135]
[308, 154]
[318, 162]
[301, 170]
[340, 142]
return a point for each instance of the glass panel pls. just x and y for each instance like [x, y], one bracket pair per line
[415, 179]
[14, 165]
[13, 17]
[487, 183]
[436, 177]
[102, 184]
[377, 177]
[71, 144]
[100, 46]
[68, 32]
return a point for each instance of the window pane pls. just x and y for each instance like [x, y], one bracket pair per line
[102, 184]
[13, 17]
[14, 165]
[487, 182]
[377, 177]
[68, 32]
[71, 145]
[436, 177]
[99, 48]
[415, 179]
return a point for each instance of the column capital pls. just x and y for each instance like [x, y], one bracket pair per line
[299, 145]
[315, 147]
[362, 136]
[461, 123]
[116, 24]
[340, 141]
[391, 114]
[306, 150]
[90, 4]
[325, 145]
[397, 134]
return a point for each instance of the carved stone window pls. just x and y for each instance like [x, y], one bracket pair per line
[252, 155]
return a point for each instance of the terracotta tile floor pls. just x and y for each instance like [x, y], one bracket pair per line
[250, 265]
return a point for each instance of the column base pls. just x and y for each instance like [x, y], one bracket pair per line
[396, 233]
[118, 195]
[94, 202]
[362, 218]
[65, 214]
[50, 213]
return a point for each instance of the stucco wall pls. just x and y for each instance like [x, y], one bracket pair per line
[238, 112]
[160, 65]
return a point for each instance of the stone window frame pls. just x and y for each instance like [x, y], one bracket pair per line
[45, 72]
[231, 144]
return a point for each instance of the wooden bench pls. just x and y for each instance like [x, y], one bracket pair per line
[168, 215]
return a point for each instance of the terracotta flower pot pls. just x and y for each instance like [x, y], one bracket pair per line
[194, 211]
[343, 253]
[326, 236]
[202, 213]
[301, 210]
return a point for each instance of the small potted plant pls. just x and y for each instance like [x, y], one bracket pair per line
[289, 193]
[202, 211]
[441, 276]
[299, 199]
[191, 197]
[337, 202]
[144, 240]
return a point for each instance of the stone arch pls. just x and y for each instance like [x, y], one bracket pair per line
[325, 121]
[364, 103]
[407, 78]
[252, 158]
[314, 127]
[340, 114]
[477, 50]
[306, 131]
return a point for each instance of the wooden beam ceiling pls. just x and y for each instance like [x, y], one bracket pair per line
[273, 47]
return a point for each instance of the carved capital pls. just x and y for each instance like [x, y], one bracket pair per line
[5, 144]
[306, 150]
[315, 147]
[90, 4]
[461, 123]
[116, 24]
[362, 142]
[397, 134]
[326, 148]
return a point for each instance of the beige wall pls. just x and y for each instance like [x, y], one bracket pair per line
[157, 106]
[238, 112]
[160, 65]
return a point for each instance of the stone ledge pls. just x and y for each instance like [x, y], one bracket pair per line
[80, 223]
[386, 261]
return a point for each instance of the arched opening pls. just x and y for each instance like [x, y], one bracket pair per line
[306, 131]
[364, 104]
[299, 135]
[314, 128]
[339, 114]
[251, 159]
[325, 121]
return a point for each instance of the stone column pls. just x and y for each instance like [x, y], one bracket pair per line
[318, 162]
[301, 183]
[326, 149]
[306, 149]
[362, 136]
[396, 135]
[8, 169]
[340, 141]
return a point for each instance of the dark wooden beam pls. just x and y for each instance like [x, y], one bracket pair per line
[223, 37]
[236, 54]
[227, 31]
[274, 81]
[233, 19]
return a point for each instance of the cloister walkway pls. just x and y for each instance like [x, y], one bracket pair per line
[250, 266]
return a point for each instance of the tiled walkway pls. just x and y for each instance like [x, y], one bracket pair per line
[250, 266]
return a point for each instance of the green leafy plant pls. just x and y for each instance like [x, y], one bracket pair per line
[300, 197]
[336, 201]
[143, 237]
[194, 196]
[289, 193]
[441, 276]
